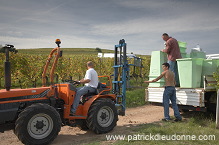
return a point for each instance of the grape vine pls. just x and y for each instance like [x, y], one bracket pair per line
[26, 69]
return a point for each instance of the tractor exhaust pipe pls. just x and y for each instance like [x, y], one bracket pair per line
[7, 71]
[7, 76]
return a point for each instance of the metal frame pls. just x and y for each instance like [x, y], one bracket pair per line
[121, 71]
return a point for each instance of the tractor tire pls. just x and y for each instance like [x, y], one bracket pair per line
[38, 124]
[102, 116]
[83, 125]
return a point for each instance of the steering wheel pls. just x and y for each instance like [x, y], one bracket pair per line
[73, 82]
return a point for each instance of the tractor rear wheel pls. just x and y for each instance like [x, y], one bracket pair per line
[38, 124]
[102, 116]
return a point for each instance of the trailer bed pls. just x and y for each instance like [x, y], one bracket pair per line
[192, 97]
[195, 97]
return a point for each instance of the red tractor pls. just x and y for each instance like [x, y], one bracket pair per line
[37, 114]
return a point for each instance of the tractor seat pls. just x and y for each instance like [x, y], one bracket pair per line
[89, 95]
[102, 89]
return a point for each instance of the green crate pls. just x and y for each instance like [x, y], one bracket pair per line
[217, 61]
[187, 55]
[157, 59]
[184, 55]
[190, 71]
[182, 44]
[197, 54]
[159, 83]
[182, 49]
[209, 66]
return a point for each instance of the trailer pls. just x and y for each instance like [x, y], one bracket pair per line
[197, 86]
[198, 99]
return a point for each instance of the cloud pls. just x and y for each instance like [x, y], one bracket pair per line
[102, 23]
[196, 21]
[49, 42]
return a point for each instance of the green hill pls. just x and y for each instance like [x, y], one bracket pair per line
[66, 51]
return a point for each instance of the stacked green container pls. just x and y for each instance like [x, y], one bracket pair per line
[182, 47]
[209, 66]
[190, 71]
[197, 54]
[217, 60]
[157, 59]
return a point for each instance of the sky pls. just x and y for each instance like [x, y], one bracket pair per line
[102, 23]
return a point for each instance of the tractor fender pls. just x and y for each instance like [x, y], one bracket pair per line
[8, 112]
[93, 99]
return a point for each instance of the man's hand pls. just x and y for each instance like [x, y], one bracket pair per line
[147, 81]
[155, 80]
[83, 81]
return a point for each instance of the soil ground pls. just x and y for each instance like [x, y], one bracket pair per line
[73, 135]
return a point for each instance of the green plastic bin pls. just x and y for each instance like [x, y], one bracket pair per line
[190, 71]
[159, 83]
[182, 49]
[184, 55]
[187, 55]
[209, 66]
[217, 61]
[182, 44]
[157, 59]
[197, 54]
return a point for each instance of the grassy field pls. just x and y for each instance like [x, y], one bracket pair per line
[135, 97]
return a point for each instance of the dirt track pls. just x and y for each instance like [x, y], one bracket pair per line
[73, 135]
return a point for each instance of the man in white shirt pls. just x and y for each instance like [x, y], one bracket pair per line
[91, 82]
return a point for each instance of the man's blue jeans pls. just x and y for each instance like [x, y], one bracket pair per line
[170, 94]
[173, 68]
[80, 92]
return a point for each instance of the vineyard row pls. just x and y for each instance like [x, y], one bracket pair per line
[26, 70]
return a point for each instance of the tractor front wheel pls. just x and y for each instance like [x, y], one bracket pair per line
[38, 124]
[102, 116]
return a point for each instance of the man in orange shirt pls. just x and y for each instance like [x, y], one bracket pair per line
[173, 53]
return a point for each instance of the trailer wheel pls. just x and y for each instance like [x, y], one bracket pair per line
[102, 116]
[38, 124]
